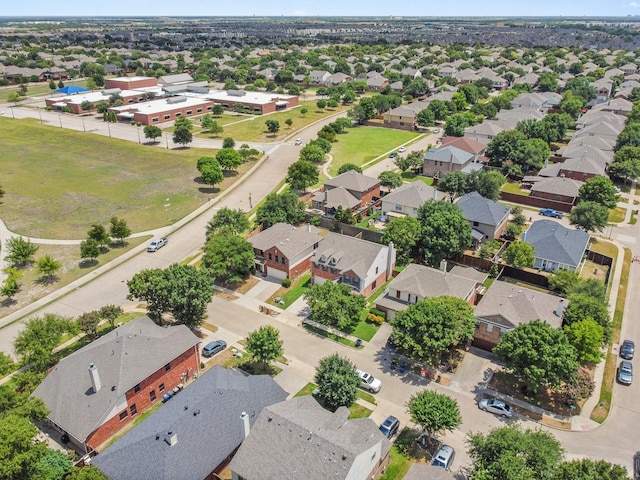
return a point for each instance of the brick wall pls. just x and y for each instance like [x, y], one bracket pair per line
[188, 362]
[537, 202]
[484, 339]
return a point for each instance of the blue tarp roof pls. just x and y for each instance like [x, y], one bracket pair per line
[71, 89]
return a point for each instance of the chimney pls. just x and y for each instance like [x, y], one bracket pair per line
[560, 308]
[245, 421]
[95, 378]
[391, 260]
[171, 438]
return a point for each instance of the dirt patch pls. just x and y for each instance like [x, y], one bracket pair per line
[246, 286]
[555, 423]
[226, 296]
[593, 270]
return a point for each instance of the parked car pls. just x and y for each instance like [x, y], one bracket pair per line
[210, 349]
[496, 406]
[436, 130]
[402, 149]
[157, 244]
[550, 212]
[627, 349]
[625, 372]
[298, 141]
[390, 426]
[444, 457]
[369, 382]
[393, 154]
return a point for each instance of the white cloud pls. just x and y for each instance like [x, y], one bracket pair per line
[634, 4]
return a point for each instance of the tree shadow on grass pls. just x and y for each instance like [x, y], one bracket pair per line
[229, 173]
[118, 244]
[7, 302]
[209, 191]
[47, 280]
[88, 262]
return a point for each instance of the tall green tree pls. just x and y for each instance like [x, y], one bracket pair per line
[404, 232]
[302, 174]
[519, 254]
[180, 290]
[19, 454]
[48, 266]
[337, 381]
[20, 252]
[454, 184]
[34, 344]
[587, 469]
[349, 166]
[390, 179]
[587, 337]
[182, 135]
[110, 313]
[599, 189]
[264, 344]
[539, 354]
[334, 304]
[98, 233]
[445, 231]
[88, 323]
[429, 328]
[590, 216]
[229, 159]
[583, 305]
[511, 453]
[228, 258]
[434, 412]
[312, 153]
[227, 220]
[119, 229]
[273, 126]
[285, 207]
[152, 132]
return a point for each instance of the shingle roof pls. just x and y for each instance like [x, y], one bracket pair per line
[299, 439]
[429, 282]
[413, 194]
[584, 164]
[464, 143]
[347, 253]
[290, 240]
[336, 197]
[123, 357]
[422, 471]
[449, 155]
[555, 242]
[205, 417]
[476, 208]
[519, 305]
[558, 186]
[352, 180]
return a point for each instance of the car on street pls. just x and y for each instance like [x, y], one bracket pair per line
[211, 348]
[625, 372]
[496, 406]
[390, 426]
[627, 349]
[298, 141]
[436, 130]
[157, 243]
[393, 154]
[444, 457]
[369, 382]
[402, 149]
[550, 212]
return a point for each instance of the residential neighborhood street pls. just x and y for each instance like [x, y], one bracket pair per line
[616, 441]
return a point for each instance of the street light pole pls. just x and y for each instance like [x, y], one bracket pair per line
[83, 127]
[167, 139]
[109, 128]
[140, 142]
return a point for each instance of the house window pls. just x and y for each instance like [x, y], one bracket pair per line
[199, 110]
[167, 117]
[283, 260]
[376, 269]
[334, 271]
[123, 415]
[154, 120]
[189, 112]
[374, 284]
[489, 328]
[347, 278]
[270, 256]
[167, 367]
[277, 258]
[161, 387]
[209, 107]
[152, 395]
[136, 389]
[134, 409]
[315, 245]
[397, 293]
[398, 207]
[179, 114]
[356, 281]
[324, 268]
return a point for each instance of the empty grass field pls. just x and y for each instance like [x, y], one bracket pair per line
[58, 182]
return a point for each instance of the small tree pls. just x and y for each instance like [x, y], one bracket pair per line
[404, 232]
[228, 142]
[110, 313]
[9, 287]
[302, 174]
[390, 179]
[152, 132]
[119, 229]
[519, 254]
[227, 220]
[599, 189]
[334, 304]
[229, 159]
[349, 166]
[590, 216]
[99, 234]
[264, 345]
[182, 135]
[288, 122]
[285, 207]
[89, 249]
[20, 252]
[337, 382]
[587, 337]
[47, 266]
[273, 126]
[434, 412]
[88, 323]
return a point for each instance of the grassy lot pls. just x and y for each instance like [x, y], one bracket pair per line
[330, 336]
[634, 218]
[617, 214]
[33, 288]
[291, 294]
[365, 330]
[409, 176]
[40, 89]
[514, 187]
[357, 411]
[51, 189]
[401, 458]
[255, 130]
[600, 413]
[360, 145]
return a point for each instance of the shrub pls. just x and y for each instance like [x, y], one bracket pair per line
[286, 283]
[380, 313]
[376, 319]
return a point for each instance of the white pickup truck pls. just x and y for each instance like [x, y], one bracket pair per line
[157, 244]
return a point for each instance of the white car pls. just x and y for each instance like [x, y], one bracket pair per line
[157, 244]
[495, 406]
[369, 382]
[402, 149]
[436, 130]
[298, 141]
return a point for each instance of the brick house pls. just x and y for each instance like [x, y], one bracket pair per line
[350, 190]
[362, 265]
[417, 282]
[442, 160]
[299, 439]
[559, 189]
[505, 306]
[284, 251]
[129, 370]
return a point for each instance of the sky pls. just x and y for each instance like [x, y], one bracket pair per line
[321, 8]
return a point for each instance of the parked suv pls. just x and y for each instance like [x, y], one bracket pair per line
[627, 349]
[210, 349]
[444, 457]
[390, 426]
[625, 372]
[369, 382]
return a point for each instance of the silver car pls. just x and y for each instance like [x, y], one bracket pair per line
[496, 406]
[444, 457]
[625, 372]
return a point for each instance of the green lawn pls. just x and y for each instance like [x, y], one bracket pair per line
[296, 292]
[514, 187]
[330, 336]
[360, 145]
[409, 176]
[40, 89]
[617, 214]
[50, 179]
[400, 463]
[365, 331]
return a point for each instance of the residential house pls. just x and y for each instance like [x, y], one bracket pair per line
[442, 160]
[602, 129]
[193, 435]
[338, 78]
[468, 145]
[350, 190]
[582, 168]
[404, 116]
[362, 265]
[619, 106]
[411, 72]
[319, 77]
[629, 69]
[558, 189]
[376, 83]
[556, 246]
[407, 199]
[505, 306]
[416, 282]
[284, 251]
[594, 117]
[300, 439]
[483, 132]
[487, 218]
[424, 471]
[101, 388]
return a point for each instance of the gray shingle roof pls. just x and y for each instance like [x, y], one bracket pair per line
[558, 186]
[519, 305]
[449, 155]
[352, 180]
[347, 253]
[476, 208]
[421, 471]
[290, 240]
[205, 416]
[299, 439]
[413, 194]
[123, 357]
[555, 242]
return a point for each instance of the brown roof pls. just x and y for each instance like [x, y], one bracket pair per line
[464, 143]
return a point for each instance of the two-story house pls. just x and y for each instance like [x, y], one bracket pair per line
[362, 265]
[407, 199]
[350, 190]
[487, 218]
[440, 161]
[284, 251]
